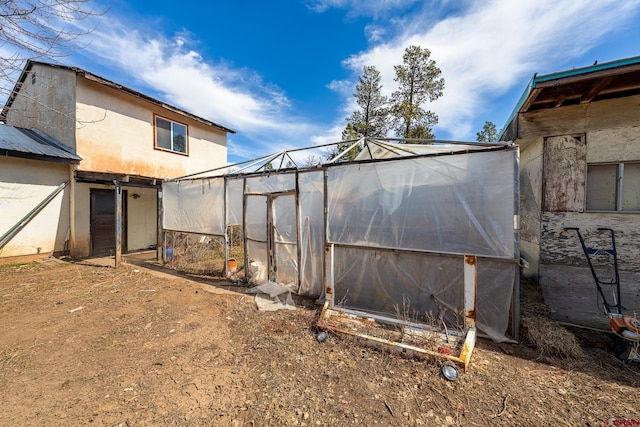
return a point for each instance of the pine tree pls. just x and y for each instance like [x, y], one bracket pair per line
[419, 80]
[488, 133]
[371, 119]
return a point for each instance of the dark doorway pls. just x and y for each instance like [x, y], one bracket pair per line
[103, 222]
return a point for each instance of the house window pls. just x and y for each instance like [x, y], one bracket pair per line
[171, 136]
[613, 187]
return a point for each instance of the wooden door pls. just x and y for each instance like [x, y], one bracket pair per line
[103, 222]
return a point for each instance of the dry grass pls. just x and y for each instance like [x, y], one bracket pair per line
[542, 332]
[551, 339]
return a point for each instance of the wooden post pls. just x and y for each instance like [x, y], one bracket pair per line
[118, 255]
[160, 234]
[72, 212]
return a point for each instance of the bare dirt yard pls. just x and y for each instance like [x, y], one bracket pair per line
[86, 345]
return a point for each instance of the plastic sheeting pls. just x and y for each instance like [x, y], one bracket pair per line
[456, 204]
[400, 229]
[311, 201]
[195, 206]
[384, 150]
[273, 183]
[285, 239]
[423, 287]
[234, 201]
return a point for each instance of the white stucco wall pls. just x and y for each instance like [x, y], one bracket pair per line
[142, 223]
[115, 133]
[23, 185]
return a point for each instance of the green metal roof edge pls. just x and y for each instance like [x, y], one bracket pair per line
[563, 74]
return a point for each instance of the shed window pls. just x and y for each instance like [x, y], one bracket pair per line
[171, 136]
[613, 187]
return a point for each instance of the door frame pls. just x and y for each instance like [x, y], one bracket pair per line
[123, 218]
[272, 267]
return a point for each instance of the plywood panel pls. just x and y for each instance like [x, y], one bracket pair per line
[564, 174]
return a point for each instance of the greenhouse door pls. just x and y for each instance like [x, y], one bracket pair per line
[283, 240]
[272, 238]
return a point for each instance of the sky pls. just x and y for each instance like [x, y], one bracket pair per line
[282, 73]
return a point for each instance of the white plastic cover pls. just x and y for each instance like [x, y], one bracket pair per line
[460, 204]
[234, 201]
[285, 238]
[384, 150]
[195, 206]
[311, 201]
[273, 183]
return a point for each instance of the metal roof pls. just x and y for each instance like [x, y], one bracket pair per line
[101, 80]
[32, 144]
[579, 86]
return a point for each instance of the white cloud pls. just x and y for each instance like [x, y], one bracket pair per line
[486, 50]
[233, 97]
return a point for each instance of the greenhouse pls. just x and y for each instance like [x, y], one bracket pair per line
[423, 232]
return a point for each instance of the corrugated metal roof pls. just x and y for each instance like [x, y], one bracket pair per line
[32, 144]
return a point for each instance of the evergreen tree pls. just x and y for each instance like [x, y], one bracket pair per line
[419, 80]
[371, 119]
[489, 133]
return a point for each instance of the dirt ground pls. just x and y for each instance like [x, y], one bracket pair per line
[87, 345]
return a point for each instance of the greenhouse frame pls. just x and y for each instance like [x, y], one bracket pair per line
[430, 227]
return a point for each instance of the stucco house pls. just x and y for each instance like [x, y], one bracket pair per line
[579, 137]
[127, 142]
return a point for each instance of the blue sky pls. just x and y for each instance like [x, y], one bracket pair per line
[282, 73]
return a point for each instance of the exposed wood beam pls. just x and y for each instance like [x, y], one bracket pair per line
[596, 88]
[560, 99]
[530, 100]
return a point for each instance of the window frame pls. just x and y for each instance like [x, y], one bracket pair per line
[172, 122]
[619, 187]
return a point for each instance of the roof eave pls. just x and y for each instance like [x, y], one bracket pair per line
[536, 80]
[105, 82]
[40, 157]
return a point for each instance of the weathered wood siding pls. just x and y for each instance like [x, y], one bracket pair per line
[560, 247]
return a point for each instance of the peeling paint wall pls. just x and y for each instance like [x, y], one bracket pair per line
[46, 102]
[559, 247]
[23, 185]
[115, 133]
[611, 130]
[81, 212]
